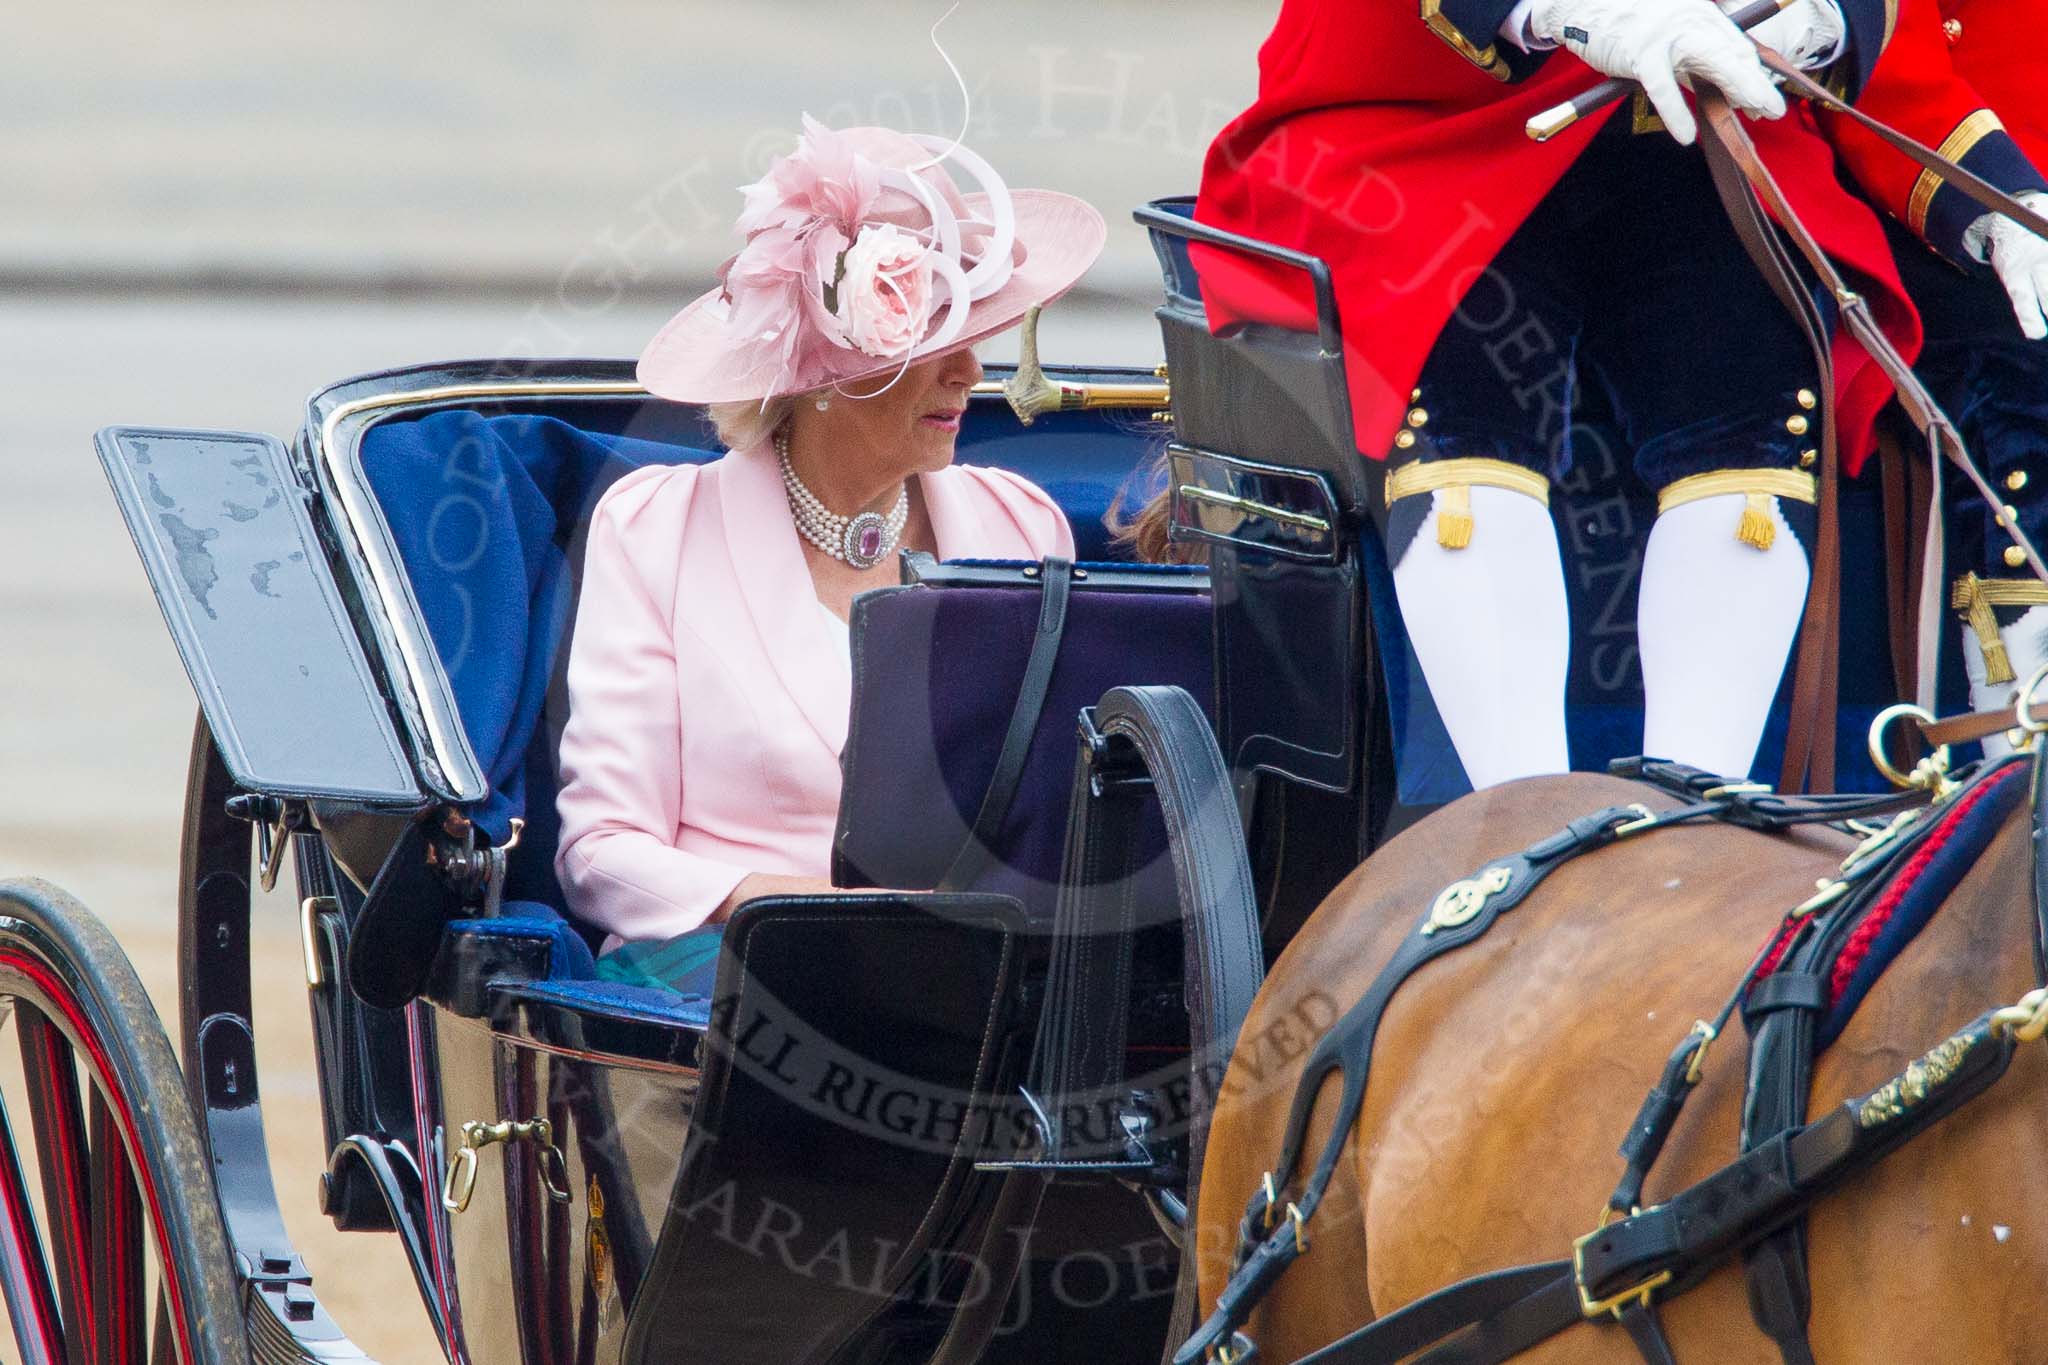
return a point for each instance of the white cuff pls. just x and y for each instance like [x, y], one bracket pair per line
[1834, 53]
[1515, 28]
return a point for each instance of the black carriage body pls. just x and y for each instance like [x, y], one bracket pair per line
[330, 721]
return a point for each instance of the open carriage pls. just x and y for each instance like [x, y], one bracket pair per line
[941, 1126]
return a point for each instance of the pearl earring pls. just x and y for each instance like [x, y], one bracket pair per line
[823, 404]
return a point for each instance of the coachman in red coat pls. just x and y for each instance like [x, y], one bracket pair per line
[1489, 286]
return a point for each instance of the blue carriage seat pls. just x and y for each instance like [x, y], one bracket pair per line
[489, 512]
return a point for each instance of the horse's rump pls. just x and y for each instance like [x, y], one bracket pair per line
[1506, 1073]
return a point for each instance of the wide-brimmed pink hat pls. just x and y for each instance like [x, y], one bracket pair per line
[863, 257]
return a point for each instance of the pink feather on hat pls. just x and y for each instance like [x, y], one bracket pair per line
[862, 257]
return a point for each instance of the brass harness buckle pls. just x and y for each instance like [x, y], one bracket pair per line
[1639, 1292]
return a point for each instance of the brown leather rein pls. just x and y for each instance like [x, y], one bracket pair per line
[1747, 190]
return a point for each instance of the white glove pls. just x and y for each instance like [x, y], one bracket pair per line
[1806, 33]
[1660, 42]
[2020, 260]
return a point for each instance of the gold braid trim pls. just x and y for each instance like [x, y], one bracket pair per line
[1757, 486]
[1487, 59]
[1974, 597]
[1456, 479]
[1954, 147]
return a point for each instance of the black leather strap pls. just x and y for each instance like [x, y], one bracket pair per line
[1462, 912]
[1640, 1320]
[1786, 990]
[1430, 1320]
[975, 856]
[1752, 807]
[1691, 1233]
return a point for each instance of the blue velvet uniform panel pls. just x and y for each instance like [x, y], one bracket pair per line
[1996, 158]
[1869, 24]
[1629, 292]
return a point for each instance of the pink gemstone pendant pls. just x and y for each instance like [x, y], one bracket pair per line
[866, 540]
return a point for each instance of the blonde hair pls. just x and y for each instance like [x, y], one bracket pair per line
[750, 422]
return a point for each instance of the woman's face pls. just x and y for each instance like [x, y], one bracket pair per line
[909, 426]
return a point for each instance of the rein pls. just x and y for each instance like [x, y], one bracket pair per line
[1639, 1257]
[1462, 912]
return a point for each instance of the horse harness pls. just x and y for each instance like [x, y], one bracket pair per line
[1793, 1002]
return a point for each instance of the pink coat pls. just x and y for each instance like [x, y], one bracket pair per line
[708, 696]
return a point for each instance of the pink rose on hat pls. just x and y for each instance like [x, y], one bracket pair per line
[861, 256]
[883, 296]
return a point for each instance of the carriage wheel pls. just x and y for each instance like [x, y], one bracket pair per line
[112, 1250]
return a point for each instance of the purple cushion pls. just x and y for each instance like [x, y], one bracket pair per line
[935, 677]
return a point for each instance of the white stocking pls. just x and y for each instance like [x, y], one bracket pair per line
[1490, 624]
[1715, 619]
[2026, 645]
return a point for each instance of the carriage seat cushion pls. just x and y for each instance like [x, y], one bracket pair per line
[936, 674]
[488, 514]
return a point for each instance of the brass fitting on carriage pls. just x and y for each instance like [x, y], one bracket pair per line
[460, 1183]
[1032, 394]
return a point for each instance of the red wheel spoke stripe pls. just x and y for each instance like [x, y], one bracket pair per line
[61, 1151]
[117, 1247]
[23, 1235]
[59, 996]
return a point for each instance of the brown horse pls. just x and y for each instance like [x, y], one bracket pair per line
[1507, 1071]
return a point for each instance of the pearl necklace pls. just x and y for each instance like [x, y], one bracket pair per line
[862, 540]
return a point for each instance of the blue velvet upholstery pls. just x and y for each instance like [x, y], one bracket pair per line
[569, 957]
[485, 511]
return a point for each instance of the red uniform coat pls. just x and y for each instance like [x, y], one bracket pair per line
[1965, 77]
[1393, 147]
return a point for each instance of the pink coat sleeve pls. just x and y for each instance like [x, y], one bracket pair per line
[622, 789]
[1032, 513]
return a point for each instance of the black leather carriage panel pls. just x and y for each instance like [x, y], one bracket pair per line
[1265, 394]
[856, 1045]
[1219, 499]
[265, 637]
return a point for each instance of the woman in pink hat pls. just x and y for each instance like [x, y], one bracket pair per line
[709, 679]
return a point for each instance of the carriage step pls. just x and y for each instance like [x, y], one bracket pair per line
[287, 1326]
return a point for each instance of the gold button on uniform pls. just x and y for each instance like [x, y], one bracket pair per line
[2016, 480]
[1807, 399]
[1807, 457]
[1796, 424]
[1404, 439]
[1953, 28]
[1418, 417]
[2015, 557]
[1415, 396]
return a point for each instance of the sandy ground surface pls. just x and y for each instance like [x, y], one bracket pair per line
[95, 712]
